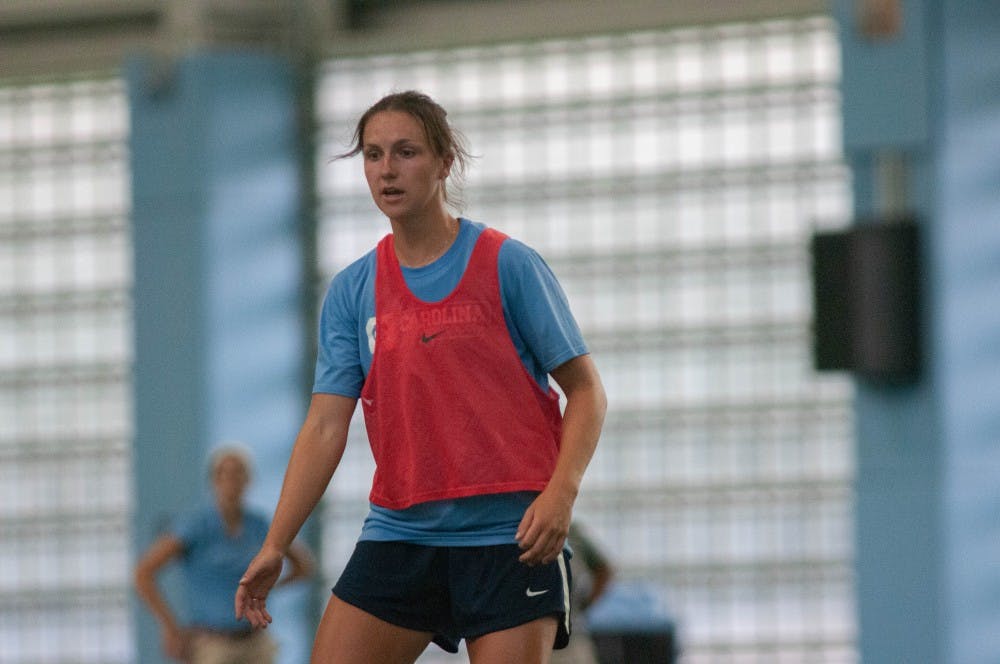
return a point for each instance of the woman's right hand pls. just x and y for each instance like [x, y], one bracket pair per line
[315, 455]
[257, 582]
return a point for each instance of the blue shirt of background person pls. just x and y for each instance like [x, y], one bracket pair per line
[212, 562]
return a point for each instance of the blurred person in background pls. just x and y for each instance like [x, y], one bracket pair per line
[592, 572]
[213, 545]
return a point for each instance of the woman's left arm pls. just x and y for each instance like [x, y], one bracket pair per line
[542, 531]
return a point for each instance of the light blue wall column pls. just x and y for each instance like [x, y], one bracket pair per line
[928, 455]
[967, 271]
[219, 282]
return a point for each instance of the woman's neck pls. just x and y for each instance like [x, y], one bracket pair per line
[232, 517]
[421, 243]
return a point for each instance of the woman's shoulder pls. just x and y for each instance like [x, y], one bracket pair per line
[353, 281]
[356, 271]
[517, 257]
[196, 519]
[513, 251]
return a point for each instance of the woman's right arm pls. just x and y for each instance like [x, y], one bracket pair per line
[316, 455]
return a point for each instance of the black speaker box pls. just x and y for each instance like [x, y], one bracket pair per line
[867, 301]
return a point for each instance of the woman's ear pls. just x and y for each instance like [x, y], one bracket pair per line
[447, 160]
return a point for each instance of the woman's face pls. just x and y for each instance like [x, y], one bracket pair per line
[405, 177]
[230, 479]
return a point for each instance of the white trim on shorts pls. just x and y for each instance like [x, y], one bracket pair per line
[565, 584]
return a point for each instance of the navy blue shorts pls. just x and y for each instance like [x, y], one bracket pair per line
[455, 592]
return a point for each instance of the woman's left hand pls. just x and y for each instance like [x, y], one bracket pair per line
[543, 529]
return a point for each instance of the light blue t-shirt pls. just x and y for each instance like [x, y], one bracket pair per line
[541, 326]
[213, 562]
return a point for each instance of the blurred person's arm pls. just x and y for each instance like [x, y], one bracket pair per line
[318, 449]
[603, 572]
[301, 563]
[593, 558]
[160, 554]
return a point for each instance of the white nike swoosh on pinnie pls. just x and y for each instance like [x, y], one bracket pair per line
[534, 593]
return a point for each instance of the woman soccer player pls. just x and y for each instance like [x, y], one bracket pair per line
[447, 332]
